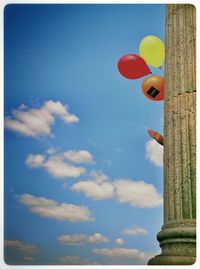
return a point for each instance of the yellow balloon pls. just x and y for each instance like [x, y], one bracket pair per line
[152, 50]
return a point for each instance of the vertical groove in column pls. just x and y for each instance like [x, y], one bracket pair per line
[191, 104]
[186, 99]
[185, 50]
[192, 111]
[168, 85]
[193, 28]
[168, 82]
[175, 88]
[187, 96]
[185, 156]
[190, 47]
[171, 163]
[177, 173]
[177, 162]
[182, 64]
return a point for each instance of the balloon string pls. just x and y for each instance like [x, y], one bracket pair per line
[161, 68]
[152, 74]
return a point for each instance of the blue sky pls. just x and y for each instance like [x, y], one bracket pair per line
[80, 168]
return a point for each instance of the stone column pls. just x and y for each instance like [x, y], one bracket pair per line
[178, 234]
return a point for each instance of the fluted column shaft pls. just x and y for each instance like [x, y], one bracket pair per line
[178, 234]
[179, 122]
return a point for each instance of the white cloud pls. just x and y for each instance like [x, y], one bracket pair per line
[22, 107]
[73, 239]
[51, 151]
[135, 231]
[154, 152]
[37, 122]
[121, 253]
[98, 176]
[74, 260]
[60, 110]
[122, 256]
[96, 187]
[49, 208]
[58, 168]
[56, 164]
[15, 244]
[35, 161]
[97, 238]
[94, 190]
[137, 193]
[81, 156]
[119, 241]
[80, 239]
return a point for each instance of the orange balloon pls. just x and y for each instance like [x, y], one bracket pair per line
[153, 88]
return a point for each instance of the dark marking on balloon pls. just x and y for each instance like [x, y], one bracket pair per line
[153, 92]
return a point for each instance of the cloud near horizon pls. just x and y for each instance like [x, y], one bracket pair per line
[49, 208]
[37, 122]
[29, 258]
[119, 241]
[135, 231]
[121, 253]
[74, 260]
[18, 245]
[81, 239]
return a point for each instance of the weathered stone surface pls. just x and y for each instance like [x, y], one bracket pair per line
[178, 234]
[180, 39]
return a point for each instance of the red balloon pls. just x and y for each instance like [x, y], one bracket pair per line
[132, 66]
